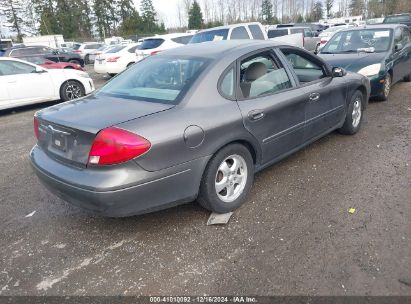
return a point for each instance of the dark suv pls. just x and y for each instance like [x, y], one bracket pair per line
[399, 18]
[43, 51]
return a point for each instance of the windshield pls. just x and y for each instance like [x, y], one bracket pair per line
[367, 40]
[156, 79]
[397, 19]
[210, 36]
[148, 44]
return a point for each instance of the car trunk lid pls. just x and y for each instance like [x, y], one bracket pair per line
[67, 130]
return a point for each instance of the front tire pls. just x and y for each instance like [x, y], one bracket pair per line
[383, 96]
[353, 118]
[227, 179]
[71, 89]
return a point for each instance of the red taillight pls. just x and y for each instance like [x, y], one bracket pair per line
[77, 51]
[113, 59]
[36, 128]
[154, 52]
[114, 146]
[323, 41]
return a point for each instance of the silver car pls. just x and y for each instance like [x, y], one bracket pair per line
[192, 123]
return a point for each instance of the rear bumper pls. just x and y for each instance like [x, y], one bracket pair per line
[121, 191]
[108, 68]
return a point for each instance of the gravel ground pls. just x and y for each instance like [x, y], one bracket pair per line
[293, 236]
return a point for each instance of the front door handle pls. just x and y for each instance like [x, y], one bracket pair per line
[255, 115]
[314, 96]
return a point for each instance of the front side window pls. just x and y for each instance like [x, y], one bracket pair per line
[239, 33]
[15, 68]
[156, 79]
[306, 67]
[262, 75]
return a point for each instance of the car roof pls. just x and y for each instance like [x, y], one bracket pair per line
[229, 26]
[217, 49]
[374, 26]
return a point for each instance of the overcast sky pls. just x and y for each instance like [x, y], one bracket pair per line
[167, 10]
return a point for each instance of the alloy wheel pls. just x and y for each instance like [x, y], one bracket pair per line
[356, 113]
[231, 178]
[73, 91]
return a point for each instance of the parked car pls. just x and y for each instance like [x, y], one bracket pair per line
[85, 48]
[91, 57]
[310, 41]
[328, 33]
[252, 30]
[116, 59]
[176, 127]
[44, 51]
[380, 52]
[398, 19]
[48, 64]
[23, 83]
[159, 43]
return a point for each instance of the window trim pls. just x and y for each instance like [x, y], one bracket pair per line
[273, 54]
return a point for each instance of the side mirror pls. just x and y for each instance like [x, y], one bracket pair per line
[338, 72]
[398, 47]
[40, 70]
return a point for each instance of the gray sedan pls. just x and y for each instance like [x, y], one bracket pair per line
[192, 123]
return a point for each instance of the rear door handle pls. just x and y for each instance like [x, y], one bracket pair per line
[255, 115]
[314, 96]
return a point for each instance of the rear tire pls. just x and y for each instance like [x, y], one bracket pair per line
[111, 74]
[130, 64]
[383, 96]
[407, 78]
[230, 170]
[353, 118]
[71, 89]
[87, 59]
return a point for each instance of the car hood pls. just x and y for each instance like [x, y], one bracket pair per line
[93, 113]
[353, 61]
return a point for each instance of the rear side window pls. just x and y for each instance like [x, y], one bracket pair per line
[150, 44]
[182, 40]
[295, 31]
[226, 85]
[239, 33]
[15, 68]
[277, 33]
[256, 32]
[133, 49]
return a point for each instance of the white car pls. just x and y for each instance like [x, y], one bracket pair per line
[116, 59]
[23, 83]
[155, 44]
[85, 48]
[328, 33]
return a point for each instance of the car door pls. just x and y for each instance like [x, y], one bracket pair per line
[24, 83]
[406, 38]
[324, 95]
[4, 93]
[272, 109]
[400, 56]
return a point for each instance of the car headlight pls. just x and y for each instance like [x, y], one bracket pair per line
[370, 70]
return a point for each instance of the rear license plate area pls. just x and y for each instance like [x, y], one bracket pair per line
[59, 142]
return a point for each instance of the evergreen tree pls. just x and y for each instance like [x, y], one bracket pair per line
[267, 12]
[130, 20]
[195, 16]
[105, 20]
[328, 7]
[14, 11]
[317, 12]
[357, 7]
[148, 15]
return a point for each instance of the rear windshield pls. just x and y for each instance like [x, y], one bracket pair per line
[156, 79]
[116, 49]
[210, 36]
[277, 33]
[397, 19]
[150, 44]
